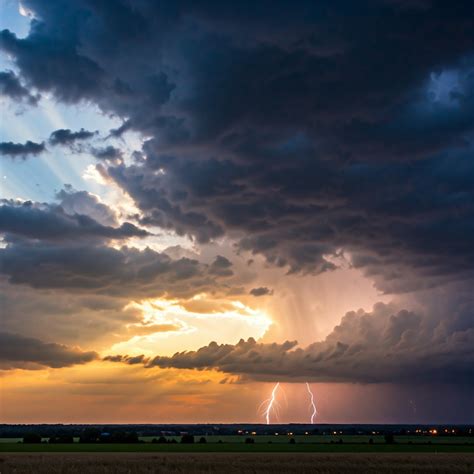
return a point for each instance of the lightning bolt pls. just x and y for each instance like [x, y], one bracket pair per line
[270, 403]
[312, 404]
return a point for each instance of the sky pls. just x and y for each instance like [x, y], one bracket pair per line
[200, 200]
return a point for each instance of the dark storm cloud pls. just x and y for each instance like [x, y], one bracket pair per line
[21, 150]
[308, 132]
[341, 127]
[50, 222]
[65, 247]
[64, 136]
[386, 215]
[24, 352]
[10, 86]
[94, 268]
[386, 345]
[261, 291]
[53, 64]
[82, 202]
[221, 266]
[107, 153]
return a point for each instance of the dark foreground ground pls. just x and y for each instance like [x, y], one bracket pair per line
[232, 463]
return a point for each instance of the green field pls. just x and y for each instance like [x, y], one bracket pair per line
[262, 443]
[302, 439]
[328, 439]
[238, 448]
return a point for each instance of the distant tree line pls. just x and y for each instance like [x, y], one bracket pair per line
[93, 435]
[89, 435]
[53, 430]
[185, 439]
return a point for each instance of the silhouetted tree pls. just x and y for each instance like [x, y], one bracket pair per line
[187, 439]
[389, 439]
[249, 441]
[202, 440]
[371, 441]
[90, 435]
[292, 441]
[61, 439]
[31, 438]
[125, 437]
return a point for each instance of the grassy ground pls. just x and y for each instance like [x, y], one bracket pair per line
[239, 447]
[327, 439]
[284, 439]
[256, 463]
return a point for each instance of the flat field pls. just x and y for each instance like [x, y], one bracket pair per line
[272, 439]
[233, 463]
[328, 439]
[232, 447]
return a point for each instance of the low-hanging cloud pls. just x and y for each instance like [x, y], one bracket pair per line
[67, 247]
[386, 345]
[27, 352]
[100, 269]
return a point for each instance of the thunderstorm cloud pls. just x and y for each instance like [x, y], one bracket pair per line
[304, 136]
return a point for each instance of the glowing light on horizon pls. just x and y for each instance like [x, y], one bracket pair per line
[192, 322]
[312, 404]
[156, 309]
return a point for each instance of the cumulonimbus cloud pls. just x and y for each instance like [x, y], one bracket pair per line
[298, 139]
[313, 153]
